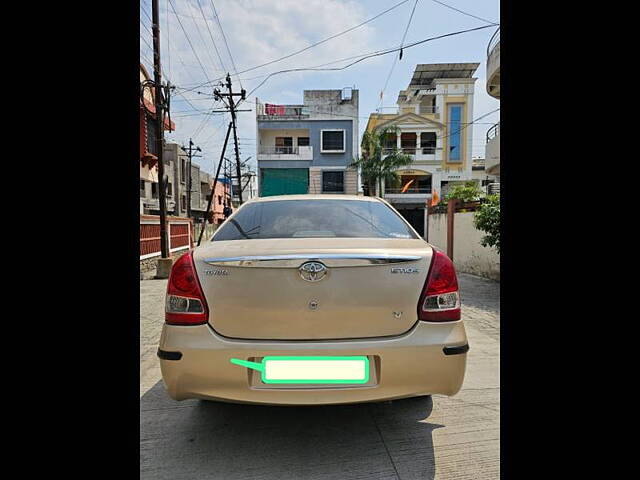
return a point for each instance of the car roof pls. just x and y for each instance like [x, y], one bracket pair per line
[324, 196]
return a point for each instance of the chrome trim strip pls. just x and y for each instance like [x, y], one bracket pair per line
[328, 259]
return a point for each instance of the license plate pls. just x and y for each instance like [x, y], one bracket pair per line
[317, 370]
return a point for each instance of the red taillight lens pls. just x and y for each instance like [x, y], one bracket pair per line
[440, 300]
[185, 304]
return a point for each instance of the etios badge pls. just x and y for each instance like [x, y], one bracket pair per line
[312, 271]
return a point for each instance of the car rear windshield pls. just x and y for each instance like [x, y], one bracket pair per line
[314, 218]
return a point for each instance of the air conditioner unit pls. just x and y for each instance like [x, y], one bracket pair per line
[493, 188]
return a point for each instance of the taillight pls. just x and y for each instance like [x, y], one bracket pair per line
[185, 304]
[440, 300]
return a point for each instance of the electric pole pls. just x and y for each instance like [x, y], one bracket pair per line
[232, 109]
[215, 181]
[191, 155]
[164, 244]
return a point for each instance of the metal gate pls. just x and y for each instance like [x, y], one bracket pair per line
[415, 216]
[283, 181]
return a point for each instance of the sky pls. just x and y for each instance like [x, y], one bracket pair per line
[194, 52]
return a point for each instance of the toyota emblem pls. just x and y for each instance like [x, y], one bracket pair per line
[313, 271]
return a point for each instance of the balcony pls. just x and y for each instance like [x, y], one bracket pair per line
[493, 65]
[427, 110]
[409, 191]
[285, 153]
[410, 108]
[423, 154]
[409, 196]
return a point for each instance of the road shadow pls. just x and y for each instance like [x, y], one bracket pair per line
[195, 439]
[479, 292]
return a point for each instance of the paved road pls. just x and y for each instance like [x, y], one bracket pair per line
[452, 438]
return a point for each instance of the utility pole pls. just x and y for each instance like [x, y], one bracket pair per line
[191, 155]
[232, 109]
[215, 181]
[164, 244]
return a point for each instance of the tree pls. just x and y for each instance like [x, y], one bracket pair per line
[469, 192]
[487, 219]
[378, 165]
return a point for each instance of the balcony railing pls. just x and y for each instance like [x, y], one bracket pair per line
[493, 132]
[279, 150]
[495, 40]
[272, 110]
[424, 190]
[428, 109]
[411, 150]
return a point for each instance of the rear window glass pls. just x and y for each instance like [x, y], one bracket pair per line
[314, 218]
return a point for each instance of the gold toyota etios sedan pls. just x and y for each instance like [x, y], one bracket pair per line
[313, 299]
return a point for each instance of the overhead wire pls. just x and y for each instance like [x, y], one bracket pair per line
[463, 12]
[375, 54]
[225, 41]
[395, 59]
[314, 44]
[211, 36]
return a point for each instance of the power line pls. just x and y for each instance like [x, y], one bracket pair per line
[213, 63]
[314, 44]
[166, 13]
[145, 12]
[225, 42]
[211, 36]
[376, 54]
[188, 39]
[464, 13]
[395, 59]
[145, 41]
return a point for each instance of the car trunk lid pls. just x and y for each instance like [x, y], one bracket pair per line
[349, 287]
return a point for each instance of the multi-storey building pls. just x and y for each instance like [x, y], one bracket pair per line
[431, 117]
[485, 181]
[492, 149]
[148, 160]
[176, 168]
[308, 148]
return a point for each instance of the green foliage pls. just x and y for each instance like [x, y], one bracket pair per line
[487, 219]
[469, 192]
[377, 165]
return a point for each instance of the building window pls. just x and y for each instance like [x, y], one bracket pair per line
[303, 141]
[154, 190]
[333, 182]
[169, 189]
[284, 144]
[219, 199]
[152, 135]
[142, 188]
[408, 142]
[455, 135]
[332, 141]
[183, 170]
[428, 143]
[183, 202]
[390, 142]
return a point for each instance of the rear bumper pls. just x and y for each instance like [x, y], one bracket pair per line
[429, 359]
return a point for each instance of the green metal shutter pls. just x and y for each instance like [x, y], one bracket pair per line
[284, 181]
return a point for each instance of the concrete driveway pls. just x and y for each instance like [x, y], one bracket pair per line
[424, 438]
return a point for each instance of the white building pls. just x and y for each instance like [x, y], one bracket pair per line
[492, 149]
[432, 117]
